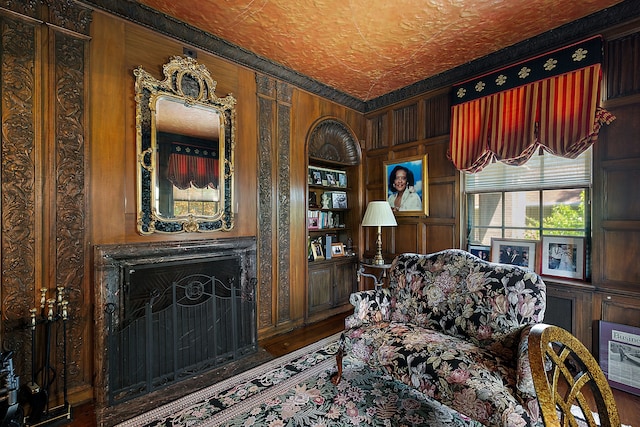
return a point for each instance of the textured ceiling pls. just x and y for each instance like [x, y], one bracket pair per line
[368, 48]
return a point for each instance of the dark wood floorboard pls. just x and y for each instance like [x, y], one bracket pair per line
[84, 415]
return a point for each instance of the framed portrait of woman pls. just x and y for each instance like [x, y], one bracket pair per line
[406, 185]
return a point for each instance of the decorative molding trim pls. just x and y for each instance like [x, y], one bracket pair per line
[167, 25]
[23, 7]
[69, 15]
[561, 36]
[567, 33]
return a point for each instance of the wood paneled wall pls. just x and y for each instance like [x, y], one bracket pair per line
[414, 127]
[44, 239]
[421, 126]
[69, 156]
[273, 120]
[616, 201]
[64, 192]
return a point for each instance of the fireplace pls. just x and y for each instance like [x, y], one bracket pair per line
[169, 311]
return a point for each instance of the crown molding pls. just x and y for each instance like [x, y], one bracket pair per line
[568, 33]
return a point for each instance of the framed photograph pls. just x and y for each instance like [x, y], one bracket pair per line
[406, 185]
[331, 179]
[313, 223]
[313, 199]
[315, 176]
[316, 250]
[563, 256]
[337, 249]
[515, 252]
[342, 179]
[620, 356]
[339, 200]
[481, 251]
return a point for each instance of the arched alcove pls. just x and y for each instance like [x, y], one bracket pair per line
[331, 140]
[333, 216]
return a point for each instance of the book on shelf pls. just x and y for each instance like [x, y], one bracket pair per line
[318, 220]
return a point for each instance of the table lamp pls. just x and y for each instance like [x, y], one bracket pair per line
[379, 214]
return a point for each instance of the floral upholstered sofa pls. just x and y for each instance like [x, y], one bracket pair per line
[454, 327]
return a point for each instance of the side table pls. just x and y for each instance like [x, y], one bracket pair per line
[379, 278]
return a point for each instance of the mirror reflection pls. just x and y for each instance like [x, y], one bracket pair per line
[188, 159]
[185, 144]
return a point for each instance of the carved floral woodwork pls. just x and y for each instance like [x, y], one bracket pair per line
[274, 152]
[43, 236]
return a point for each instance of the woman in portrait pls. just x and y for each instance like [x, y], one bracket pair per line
[402, 184]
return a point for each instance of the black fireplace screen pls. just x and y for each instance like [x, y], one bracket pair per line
[177, 319]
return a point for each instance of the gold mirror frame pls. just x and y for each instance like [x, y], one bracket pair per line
[187, 85]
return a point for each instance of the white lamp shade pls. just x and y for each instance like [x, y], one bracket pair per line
[379, 213]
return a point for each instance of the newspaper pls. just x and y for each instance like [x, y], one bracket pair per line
[620, 348]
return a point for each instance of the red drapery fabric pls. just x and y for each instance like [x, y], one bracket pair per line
[185, 170]
[558, 114]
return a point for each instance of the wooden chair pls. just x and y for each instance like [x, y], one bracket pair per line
[566, 374]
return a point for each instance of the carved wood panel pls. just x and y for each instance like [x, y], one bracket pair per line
[283, 106]
[43, 239]
[266, 94]
[19, 234]
[274, 152]
[70, 195]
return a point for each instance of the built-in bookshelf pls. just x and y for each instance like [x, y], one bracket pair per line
[332, 260]
[333, 218]
[328, 213]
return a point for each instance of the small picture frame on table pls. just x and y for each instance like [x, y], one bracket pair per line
[519, 252]
[481, 251]
[316, 250]
[563, 256]
[337, 249]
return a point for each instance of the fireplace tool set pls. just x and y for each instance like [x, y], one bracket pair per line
[11, 413]
[52, 311]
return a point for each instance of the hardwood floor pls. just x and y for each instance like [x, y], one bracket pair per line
[84, 415]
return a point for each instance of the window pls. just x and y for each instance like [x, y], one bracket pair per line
[548, 195]
[195, 201]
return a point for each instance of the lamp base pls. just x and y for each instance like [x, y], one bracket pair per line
[378, 260]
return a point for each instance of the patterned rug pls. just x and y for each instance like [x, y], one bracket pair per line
[295, 390]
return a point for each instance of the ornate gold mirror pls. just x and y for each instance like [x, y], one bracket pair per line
[185, 144]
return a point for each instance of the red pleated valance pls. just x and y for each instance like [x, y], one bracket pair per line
[197, 167]
[559, 113]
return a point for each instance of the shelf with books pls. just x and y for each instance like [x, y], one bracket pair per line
[334, 174]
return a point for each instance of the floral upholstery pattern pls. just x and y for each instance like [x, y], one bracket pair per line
[455, 327]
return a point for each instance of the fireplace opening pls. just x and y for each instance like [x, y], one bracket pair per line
[171, 313]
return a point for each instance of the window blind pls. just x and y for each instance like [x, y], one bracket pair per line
[541, 172]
